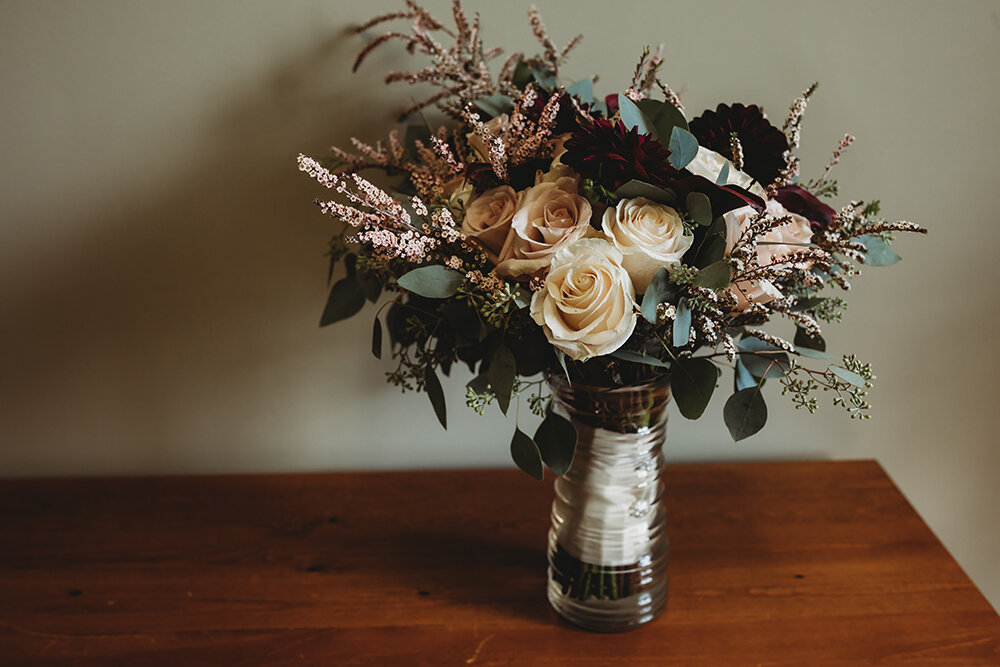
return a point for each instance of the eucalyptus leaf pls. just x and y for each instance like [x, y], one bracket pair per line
[683, 147]
[346, 299]
[754, 344]
[370, 285]
[495, 105]
[807, 303]
[584, 89]
[436, 394]
[712, 250]
[803, 341]
[682, 324]
[479, 384]
[692, 382]
[655, 193]
[745, 413]
[848, 376]
[765, 364]
[723, 174]
[714, 276]
[525, 453]
[700, 207]
[743, 378]
[879, 252]
[523, 298]
[658, 291]
[664, 117]
[377, 339]
[544, 78]
[556, 441]
[812, 354]
[561, 356]
[635, 357]
[522, 75]
[501, 372]
[632, 116]
[433, 282]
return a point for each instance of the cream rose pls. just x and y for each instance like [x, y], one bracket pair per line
[771, 248]
[488, 218]
[552, 215]
[587, 307]
[709, 164]
[497, 126]
[648, 234]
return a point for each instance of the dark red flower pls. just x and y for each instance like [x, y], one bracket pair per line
[799, 200]
[763, 144]
[611, 155]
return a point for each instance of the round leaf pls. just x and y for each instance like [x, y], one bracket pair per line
[346, 299]
[692, 382]
[526, 455]
[745, 413]
[433, 282]
[556, 440]
[436, 394]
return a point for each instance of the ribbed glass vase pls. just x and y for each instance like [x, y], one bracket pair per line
[608, 542]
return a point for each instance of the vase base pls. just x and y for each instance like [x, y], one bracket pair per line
[600, 615]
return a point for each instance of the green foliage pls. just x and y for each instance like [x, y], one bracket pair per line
[663, 117]
[849, 384]
[699, 206]
[377, 339]
[633, 117]
[723, 174]
[717, 275]
[525, 453]
[346, 299]
[683, 147]
[495, 105]
[692, 382]
[659, 291]
[436, 395]
[501, 374]
[584, 89]
[639, 358]
[803, 341]
[556, 440]
[879, 251]
[433, 282]
[745, 413]
[762, 359]
[655, 193]
[682, 324]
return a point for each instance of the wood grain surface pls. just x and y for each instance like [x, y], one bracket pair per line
[804, 563]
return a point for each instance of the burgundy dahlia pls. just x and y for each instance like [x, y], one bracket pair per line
[763, 144]
[611, 155]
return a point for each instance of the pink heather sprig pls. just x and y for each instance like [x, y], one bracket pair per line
[364, 192]
[444, 152]
[844, 144]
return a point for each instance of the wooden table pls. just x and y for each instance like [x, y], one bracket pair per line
[811, 563]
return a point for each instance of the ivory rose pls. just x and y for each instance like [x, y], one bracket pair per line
[488, 218]
[587, 306]
[709, 164]
[551, 216]
[648, 234]
[771, 249]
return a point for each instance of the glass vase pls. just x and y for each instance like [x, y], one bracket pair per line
[608, 543]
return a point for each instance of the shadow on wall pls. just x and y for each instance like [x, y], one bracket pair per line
[177, 317]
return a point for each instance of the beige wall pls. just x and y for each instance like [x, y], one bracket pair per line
[162, 269]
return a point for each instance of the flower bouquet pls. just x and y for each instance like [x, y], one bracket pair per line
[594, 257]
